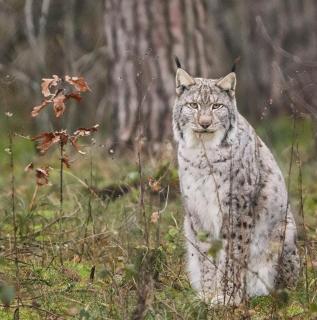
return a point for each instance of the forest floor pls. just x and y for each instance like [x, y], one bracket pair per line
[92, 257]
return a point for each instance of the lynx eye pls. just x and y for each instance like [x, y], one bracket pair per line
[217, 106]
[194, 105]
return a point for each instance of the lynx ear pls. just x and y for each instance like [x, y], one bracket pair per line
[228, 83]
[183, 81]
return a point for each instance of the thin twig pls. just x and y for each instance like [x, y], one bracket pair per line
[15, 227]
[61, 199]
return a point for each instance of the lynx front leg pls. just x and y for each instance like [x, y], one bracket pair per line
[201, 268]
[205, 275]
[215, 267]
[193, 261]
[223, 275]
[211, 289]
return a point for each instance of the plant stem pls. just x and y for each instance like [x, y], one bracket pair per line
[33, 197]
[142, 207]
[61, 200]
[15, 228]
[89, 212]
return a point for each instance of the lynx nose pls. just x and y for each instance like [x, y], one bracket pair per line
[204, 121]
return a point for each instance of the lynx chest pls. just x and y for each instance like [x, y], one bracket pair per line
[201, 192]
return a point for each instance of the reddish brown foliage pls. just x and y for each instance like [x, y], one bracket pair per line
[47, 139]
[47, 84]
[42, 175]
[56, 92]
[37, 109]
[59, 105]
[81, 132]
[66, 161]
[78, 82]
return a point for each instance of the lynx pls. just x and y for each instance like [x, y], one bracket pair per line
[239, 229]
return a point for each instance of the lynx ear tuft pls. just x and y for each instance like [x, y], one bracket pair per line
[177, 62]
[228, 83]
[235, 63]
[183, 81]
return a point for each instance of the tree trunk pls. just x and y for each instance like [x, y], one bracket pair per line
[142, 39]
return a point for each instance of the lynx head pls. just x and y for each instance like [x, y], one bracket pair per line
[204, 108]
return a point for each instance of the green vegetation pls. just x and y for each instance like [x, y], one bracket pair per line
[109, 246]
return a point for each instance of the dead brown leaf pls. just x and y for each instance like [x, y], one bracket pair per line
[37, 109]
[42, 175]
[82, 132]
[63, 136]
[59, 105]
[78, 82]
[61, 93]
[74, 95]
[47, 139]
[66, 161]
[47, 83]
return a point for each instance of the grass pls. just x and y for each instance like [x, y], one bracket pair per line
[104, 249]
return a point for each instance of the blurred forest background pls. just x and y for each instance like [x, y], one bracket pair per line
[125, 50]
[99, 235]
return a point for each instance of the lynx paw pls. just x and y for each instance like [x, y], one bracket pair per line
[213, 299]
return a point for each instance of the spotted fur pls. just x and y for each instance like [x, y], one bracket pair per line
[239, 229]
